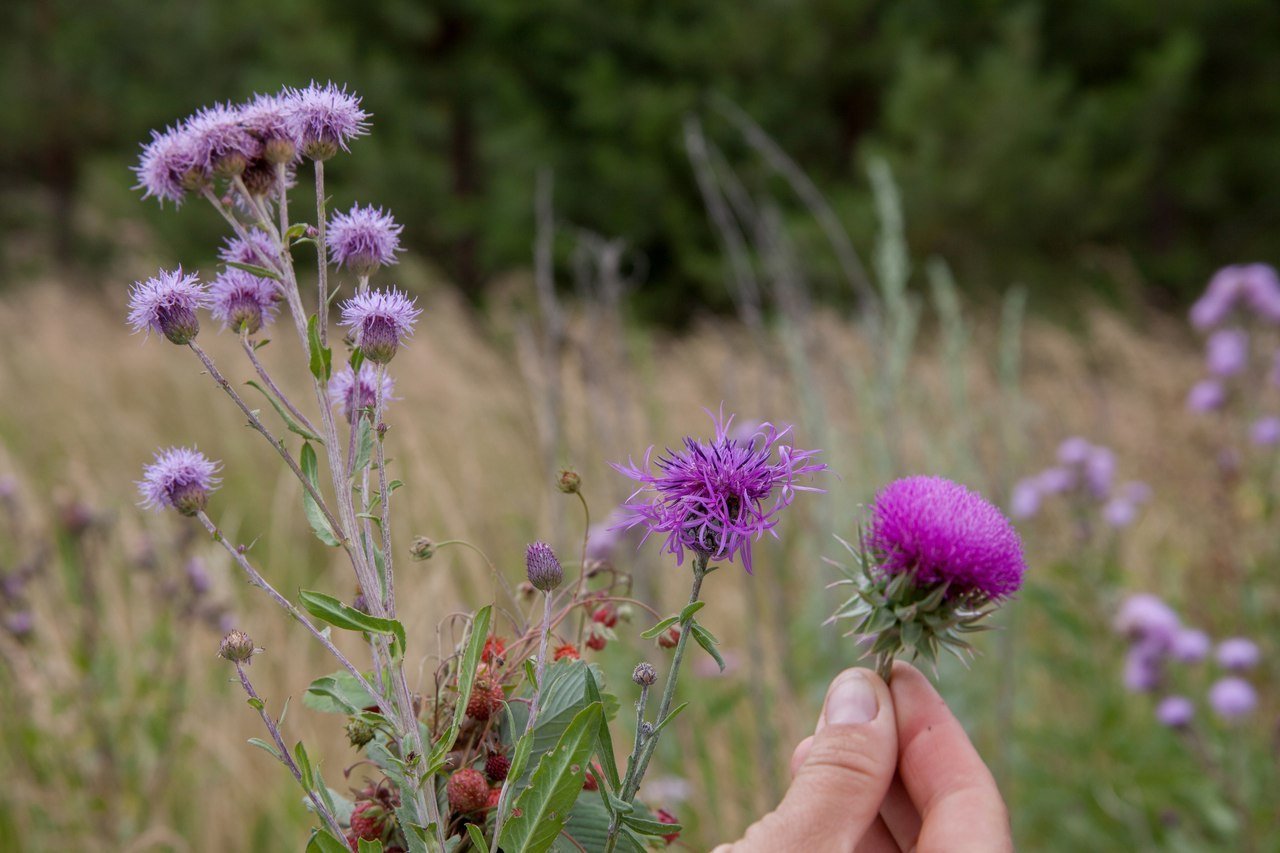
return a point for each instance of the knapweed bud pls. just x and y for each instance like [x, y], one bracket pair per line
[236, 647]
[167, 304]
[359, 732]
[644, 674]
[543, 567]
[380, 320]
[569, 482]
[181, 477]
[422, 548]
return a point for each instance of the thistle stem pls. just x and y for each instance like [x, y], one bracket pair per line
[322, 262]
[266, 377]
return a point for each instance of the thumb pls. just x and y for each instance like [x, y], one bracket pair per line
[838, 789]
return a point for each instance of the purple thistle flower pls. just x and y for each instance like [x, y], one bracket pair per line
[220, 143]
[266, 120]
[20, 623]
[1238, 654]
[1099, 469]
[1055, 481]
[1145, 618]
[355, 393]
[1265, 431]
[1120, 512]
[945, 533]
[1232, 698]
[380, 321]
[167, 304]
[1143, 667]
[363, 239]
[324, 118]
[258, 248]
[1207, 395]
[543, 567]
[165, 168]
[181, 477]
[1176, 712]
[243, 301]
[1227, 352]
[1074, 451]
[714, 497]
[1025, 501]
[1189, 646]
[1253, 287]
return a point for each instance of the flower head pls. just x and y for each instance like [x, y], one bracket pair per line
[266, 121]
[1265, 431]
[256, 247]
[1145, 618]
[1250, 287]
[543, 567]
[167, 303]
[1238, 654]
[1025, 501]
[180, 477]
[380, 321]
[236, 647]
[1232, 698]
[1207, 395]
[357, 392]
[220, 143]
[715, 497]
[1227, 352]
[942, 532]
[323, 119]
[1176, 712]
[1189, 646]
[165, 168]
[363, 239]
[243, 301]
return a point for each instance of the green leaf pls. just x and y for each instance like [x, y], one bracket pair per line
[531, 673]
[649, 826]
[333, 611]
[315, 516]
[322, 842]
[543, 808]
[660, 627]
[357, 359]
[292, 425]
[663, 723]
[364, 447]
[284, 712]
[477, 838]
[708, 643]
[690, 609]
[255, 703]
[604, 739]
[304, 766]
[261, 272]
[295, 231]
[588, 829]
[266, 747]
[321, 360]
[470, 660]
[520, 756]
[374, 846]
[339, 693]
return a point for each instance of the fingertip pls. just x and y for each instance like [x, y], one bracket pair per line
[856, 696]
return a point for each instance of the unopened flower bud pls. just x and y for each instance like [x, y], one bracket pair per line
[259, 178]
[422, 548]
[543, 567]
[279, 150]
[229, 165]
[359, 732]
[236, 647]
[670, 638]
[644, 675]
[569, 483]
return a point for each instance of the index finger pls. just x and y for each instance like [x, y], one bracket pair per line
[959, 804]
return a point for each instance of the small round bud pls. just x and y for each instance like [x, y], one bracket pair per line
[645, 675]
[279, 150]
[229, 165]
[422, 548]
[669, 638]
[359, 732]
[178, 323]
[569, 483]
[236, 647]
[319, 150]
[543, 567]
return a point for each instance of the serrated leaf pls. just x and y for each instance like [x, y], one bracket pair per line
[477, 838]
[333, 611]
[708, 643]
[266, 747]
[321, 357]
[260, 272]
[315, 516]
[660, 627]
[289, 422]
[543, 807]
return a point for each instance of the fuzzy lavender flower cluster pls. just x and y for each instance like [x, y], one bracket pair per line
[1238, 310]
[1085, 476]
[1159, 641]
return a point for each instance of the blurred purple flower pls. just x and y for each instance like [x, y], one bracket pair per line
[1238, 654]
[1055, 481]
[1119, 512]
[257, 248]
[1253, 287]
[1232, 698]
[197, 577]
[363, 239]
[167, 304]
[356, 393]
[1025, 501]
[1143, 668]
[243, 301]
[20, 623]
[1176, 712]
[323, 119]
[714, 497]
[945, 533]
[1227, 352]
[1207, 395]
[1265, 431]
[1146, 619]
[180, 477]
[1099, 469]
[1074, 451]
[1190, 646]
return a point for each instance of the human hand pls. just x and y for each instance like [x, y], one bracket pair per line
[887, 770]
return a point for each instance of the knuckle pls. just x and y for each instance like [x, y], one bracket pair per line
[846, 760]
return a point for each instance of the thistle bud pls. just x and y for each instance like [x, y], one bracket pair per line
[359, 732]
[645, 675]
[569, 483]
[422, 548]
[236, 647]
[543, 567]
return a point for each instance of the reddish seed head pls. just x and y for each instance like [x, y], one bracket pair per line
[468, 791]
[669, 638]
[606, 615]
[596, 642]
[496, 767]
[589, 782]
[486, 699]
[568, 650]
[665, 816]
[494, 648]
[495, 794]
[369, 821]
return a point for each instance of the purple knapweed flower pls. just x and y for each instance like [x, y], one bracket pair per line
[256, 247]
[323, 119]
[1143, 668]
[543, 567]
[715, 497]
[1176, 712]
[1232, 698]
[1227, 352]
[220, 143]
[1122, 509]
[1055, 481]
[1265, 431]
[1099, 469]
[1145, 618]
[363, 239]
[166, 169]
[243, 301]
[945, 533]
[358, 392]
[180, 477]
[1251, 287]
[1189, 646]
[380, 320]
[1025, 500]
[1238, 654]
[167, 303]
[20, 623]
[1207, 395]
[266, 121]
[1074, 451]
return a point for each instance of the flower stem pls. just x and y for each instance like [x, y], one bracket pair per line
[322, 262]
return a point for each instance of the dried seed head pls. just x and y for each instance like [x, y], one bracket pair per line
[645, 675]
[359, 732]
[236, 647]
[569, 482]
[422, 548]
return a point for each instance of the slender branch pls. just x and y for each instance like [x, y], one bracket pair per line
[264, 219]
[379, 432]
[287, 760]
[262, 372]
[256, 579]
[322, 262]
[236, 224]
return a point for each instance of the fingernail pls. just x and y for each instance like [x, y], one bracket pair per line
[852, 700]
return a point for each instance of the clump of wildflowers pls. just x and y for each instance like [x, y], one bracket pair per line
[167, 304]
[181, 478]
[1242, 291]
[933, 560]
[243, 301]
[716, 497]
[358, 391]
[1085, 476]
[380, 320]
[363, 239]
